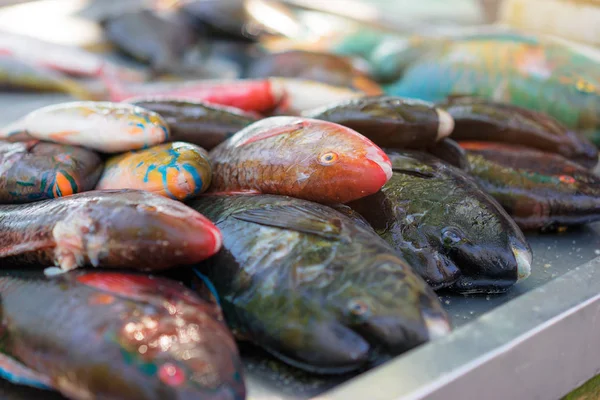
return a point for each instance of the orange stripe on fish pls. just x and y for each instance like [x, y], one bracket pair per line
[62, 134]
[62, 186]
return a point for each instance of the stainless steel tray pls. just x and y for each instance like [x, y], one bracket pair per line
[538, 341]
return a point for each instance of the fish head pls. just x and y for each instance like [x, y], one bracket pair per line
[123, 228]
[338, 161]
[149, 123]
[484, 243]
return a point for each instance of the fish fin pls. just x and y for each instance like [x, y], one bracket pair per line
[17, 373]
[294, 217]
[20, 248]
[413, 172]
[230, 193]
[275, 131]
[206, 290]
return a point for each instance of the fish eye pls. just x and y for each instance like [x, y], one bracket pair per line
[358, 307]
[170, 374]
[328, 158]
[451, 236]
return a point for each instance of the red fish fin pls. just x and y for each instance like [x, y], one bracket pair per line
[20, 248]
[276, 131]
[17, 373]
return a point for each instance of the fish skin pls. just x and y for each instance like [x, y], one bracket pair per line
[315, 66]
[477, 119]
[34, 170]
[176, 170]
[21, 75]
[85, 332]
[450, 152]
[200, 123]
[389, 121]
[536, 75]
[112, 228]
[541, 191]
[300, 157]
[103, 126]
[451, 232]
[312, 287]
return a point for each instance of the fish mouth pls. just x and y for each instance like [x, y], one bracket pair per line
[379, 157]
[437, 326]
[445, 124]
[524, 259]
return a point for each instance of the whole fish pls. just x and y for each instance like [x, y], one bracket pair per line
[200, 123]
[477, 119]
[450, 152]
[105, 335]
[116, 229]
[34, 170]
[390, 121]
[320, 67]
[312, 287]
[545, 77]
[539, 190]
[281, 95]
[67, 59]
[300, 157]
[177, 170]
[21, 75]
[451, 232]
[103, 126]
[159, 40]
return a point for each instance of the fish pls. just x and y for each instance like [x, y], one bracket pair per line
[21, 75]
[316, 66]
[274, 95]
[109, 335]
[34, 170]
[64, 59]
[176, 170]
[450, 152]
[545, 77]
[478, 119]
[450, 231]
[112, 228]
[390, 121]
[156, 39]
[200, 123]
[219, 19]
[313, 288]
[541, 191]
[300, 157]
[103, 126]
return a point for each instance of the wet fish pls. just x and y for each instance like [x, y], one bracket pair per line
[200, 123]
[539, 190]
[451, 232]
[279, 95]
[34, 170]
[177, 170]
[103, 126]
[477, 119]
[313, 288]
[390, 121]
[220, 19]
[159, 40]
[115, 335]
[315, 66]
[300, 157]
[450, 152]
[116, 229]
[21, 75]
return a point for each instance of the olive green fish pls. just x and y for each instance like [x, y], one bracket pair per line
[449, 230]
[312, 287]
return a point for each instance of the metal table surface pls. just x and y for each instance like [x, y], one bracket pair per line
[537, 341]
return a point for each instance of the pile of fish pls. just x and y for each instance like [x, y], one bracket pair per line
[305, 208]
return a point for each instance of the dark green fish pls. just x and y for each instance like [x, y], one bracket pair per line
[477, 119]
[202, 124]
[449, 151]
[312, 287]
[448, 229]
[539, 190]
[103, 335]
[34, 170]
[390, 121]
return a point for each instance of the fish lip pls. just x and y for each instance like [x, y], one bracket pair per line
[379, 157]
[445, 124]
[524, 258]
[437, 326]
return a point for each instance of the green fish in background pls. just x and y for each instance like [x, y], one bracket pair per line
[539, 190]
[451, 232]
[312, 287]
[107, 335]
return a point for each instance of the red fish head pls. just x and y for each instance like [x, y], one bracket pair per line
[136, 229]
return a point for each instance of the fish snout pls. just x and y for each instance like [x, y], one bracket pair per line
[523, 257]
[445, 124]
